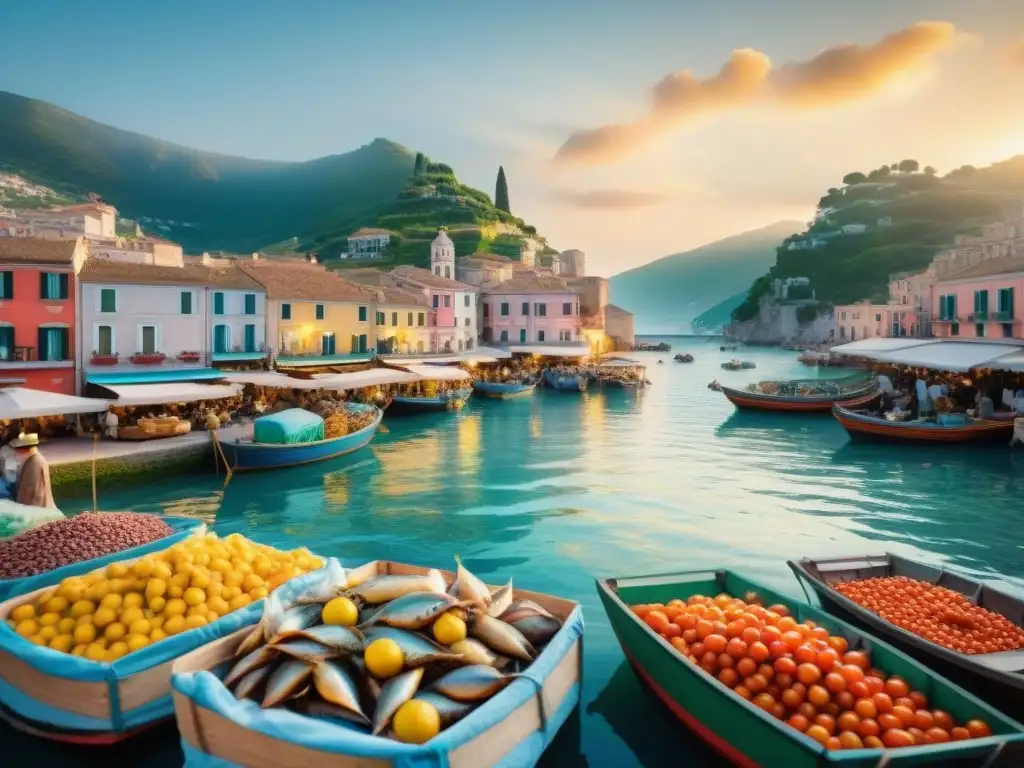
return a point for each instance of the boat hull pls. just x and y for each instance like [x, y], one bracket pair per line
[565, 383]
[410, 405]
[76, 738]
[502, 389]
[248, 456]
[862, 427]
[756, 401]
[1002, 689]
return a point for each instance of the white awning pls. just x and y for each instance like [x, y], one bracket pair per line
[866, 347]
[478, 355]
[170, 392]
[272, 379]
[950, 355]
[619, 362]
[374, 377]
[438, 373]
[23, 403]
[1012, 362]
[569, 350]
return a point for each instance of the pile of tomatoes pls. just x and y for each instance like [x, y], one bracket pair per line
[801, 674]
[940, 615]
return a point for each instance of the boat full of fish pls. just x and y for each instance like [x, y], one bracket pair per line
[400, 656]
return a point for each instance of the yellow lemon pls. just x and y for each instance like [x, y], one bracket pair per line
[129, 615]
[66, 626]
[180, 580]
[49, 619]
[155, 588]
[22, 612]
[215, 588]
[82, 608]
[251, 581]
[95, 652]
[116, 651]
[143, 568]
[257, 593]
[340, 612]
[230, 592]
[71, 590]
[78, 650]
[62, 643]
[157, 604]
[234, 578]
[200, 578]
[133, 600]
[56, 604]
[219, 605]
[175, 607]
[449, 629]
[140, 627]
[112, 600]
[157, 635]
[46, 634]
[27, 628]
[175, 591]
[197, 610]
[117, 570]
[174, 625]
[135, 642]
[212, 616]
[239, 601]
[384, 658]
[416, 722]
[194, 596]
[97, 591]
[157, 621]
[103, 616]
[220, 564]
[115, 631]
[85, 634]
[162, 571]
[195, 621]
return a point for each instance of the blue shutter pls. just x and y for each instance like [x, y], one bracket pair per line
[6, 342]
[220, 339]
[218, 303]
[250, 303]
[250, 338]
[6, 285]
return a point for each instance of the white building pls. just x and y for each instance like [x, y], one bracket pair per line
[237, 317]
[854, 229]
[94, 219]
[367, 243]
[573, 263]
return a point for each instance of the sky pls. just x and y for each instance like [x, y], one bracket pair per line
[628, 130]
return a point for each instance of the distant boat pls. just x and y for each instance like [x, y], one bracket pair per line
[505, 389]
[939, 431]
[444, 401]
[759, 401]
[565, 382]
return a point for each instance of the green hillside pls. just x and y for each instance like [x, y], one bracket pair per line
[716, 318]
[668, 294]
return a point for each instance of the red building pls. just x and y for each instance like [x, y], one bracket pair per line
[38, 311]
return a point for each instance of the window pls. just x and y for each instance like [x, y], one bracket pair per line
[448, 272]
[394, 319]
[54, 286]
[354, 344]
[420, 319]
[842, 315]
[981, 305]
[54, 343]
[362, 314]
[522, 335]
[526, 307]
[1005, 300]
[979, 329]
[6, 285]
[947, 307]
[504, 309]
[467, 322]
[465, 300]
[540, 310]
[108, 300]
[286, 311]
[221, 339]
[447, 300]
[218, 303]
[147, 341]
[954, 329]
[437, 271]
[1007, 330]
[319, 311]
[437, 301]
[250, 303]
[566, 307]
[327, 344]
[186, 302]
[105, 340]
[540, 335]
[487, 310]
[250, 338]
[380, 318]
[878, 317]
[362, 342]
[504, 335]
[565, 335]
[6, 342]
[409, 320]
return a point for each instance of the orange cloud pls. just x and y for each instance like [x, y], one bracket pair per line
[609, 199]
[1015, 55]
[837, 75]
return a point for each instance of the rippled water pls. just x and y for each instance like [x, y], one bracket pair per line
[559, 489]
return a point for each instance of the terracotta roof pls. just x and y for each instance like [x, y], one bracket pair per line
[530, 283]
[31, 250]
[369, 232]
[386, 286]
[233, 278]
[126, 273]
[1002, 266]
[428, 278]
[295, 280]
[484, 256]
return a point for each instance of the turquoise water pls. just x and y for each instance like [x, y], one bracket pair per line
[558, 489]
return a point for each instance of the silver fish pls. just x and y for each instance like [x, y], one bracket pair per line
[393, 694]
[273, 614]
[319, 708]
[328, 581]
[370, 685]
[357, 576]
[537, 629]
[382, 589]
[449, 709]
[521, 608]
[251, 642]
[417, 650]
[295, 620]
[286, 681]
[412, 611]
[252, 660]
[348, 639]
[336, 686]
[250, 682]
[472, 683]
[305, 649]
[475, 652]
[469, 587]
[500, 637]
[501, 599]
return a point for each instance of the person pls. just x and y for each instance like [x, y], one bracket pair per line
[110, 423]
[33, 483]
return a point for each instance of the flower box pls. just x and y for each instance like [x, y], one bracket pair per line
[154, 359]
[98, 359]
[189, 357]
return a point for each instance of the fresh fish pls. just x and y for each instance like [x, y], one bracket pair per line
[305, 649]
[393, 694]
[336, 686]
[417, 650]
[537, 629]
[367, 682]
[449, 709]
[251, 642]
[357, 576]
[346, 639]
[382, 589]
[501, 599]
[412, 611]
[521, 608]
[500, 637]
[286, 681]
[295, 620]
[252, 660]
[469, 587]
[325, 585]
[472, 683]
[273, 614]
[319, 708]
[250, 682]
[475, 652]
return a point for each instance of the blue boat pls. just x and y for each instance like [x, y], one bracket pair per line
[505, 389]
[566, 383]
[291, 438]
[444, 401]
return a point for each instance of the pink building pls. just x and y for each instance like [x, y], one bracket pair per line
[452, 304]
[910, 301]
[862, 321]
[983, 301]
[531, 309]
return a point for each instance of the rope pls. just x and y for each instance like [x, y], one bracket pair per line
[95, 444]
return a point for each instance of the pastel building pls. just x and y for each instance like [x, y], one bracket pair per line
[982, 301]
[863, 320]
[92, 219]
[367, 243]
[38, 299]
[237, 317]
[404, 322]
[530, 309]
[910, 304]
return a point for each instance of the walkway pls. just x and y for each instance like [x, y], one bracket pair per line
[71, 450]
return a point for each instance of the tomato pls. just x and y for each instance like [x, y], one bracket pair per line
[978, 729]
[874, 683]
[715, 643]
[905, 714]
[778, 649]
[889, 721]
[758, 651]
[959, 734]
[785, 666]
[839, 643]
[865, 709]
[833, 743]
[827, 659]
[792, 698]
[919, 699]
[751, 635]
[923, 719]
[742, 690]
[936, 736]
[657, 621]
[835, 682]
[818, 696]
[783, 680]
[883, 702]
[777, 711]
[780, 609]
[805, 654]
[857, 658]
[770, 635]
[827, 722]
[793, 640]
[896, 687]
[942, 719]
[704, 628]
[850, 740]
[764, 701]
[868, 727]
[873, 742]
[725, 661]
[756, 683]
[808, 674]
[897, 737]
[672, 631]
[799, 722]
[746, 667]
[847, 721]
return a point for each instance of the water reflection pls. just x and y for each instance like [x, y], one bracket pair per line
[410, 464]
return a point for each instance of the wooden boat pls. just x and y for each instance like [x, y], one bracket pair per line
[148, 429]
[445, 401]
[504, 389]
[998, 678]
[864, 426]
[247, 454]
[564, 383]
[750, 737]
[760, 401]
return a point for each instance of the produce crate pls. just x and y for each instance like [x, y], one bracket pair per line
[183, 528]
[512, 728]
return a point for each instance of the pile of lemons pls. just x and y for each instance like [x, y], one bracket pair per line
[114, 611]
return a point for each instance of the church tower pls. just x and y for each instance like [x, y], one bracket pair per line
[442, 255]
[528, 254]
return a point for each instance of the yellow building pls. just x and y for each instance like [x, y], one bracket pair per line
[403, 320]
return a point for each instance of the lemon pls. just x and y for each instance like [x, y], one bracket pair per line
[383, 658]
[71, 590]
[112, 600]
[46, 634]
[234, 578]
[449, 629]
[194, 596]
[133, 600]
[340, 612]
[135, 642]
[230, 592]
[103, 616]
[120, 586]
[62, 643]
[251, 581]
[66, 626]
[85, 634]
[175, 607]
[157, 621]
[162, 571]
[116, 651]
[200, 578]
[219, 605]
[155, 588]
[27, 628]
[197, 610]
[56, 604]
[239, 601]
[257, 593]
[114, 631]
[117, 570]
[95, 652]
[416, 722]
[82, 608]
[180, 580]
[157, 604]
[22, 612]
[129, 615]
[174, 625]
[157, 635]
[143, 568]
[140, 627]
[49, 619]
[195, 621]
[78, 650]
[97, 591]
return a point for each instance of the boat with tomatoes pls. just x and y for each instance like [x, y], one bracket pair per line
[802, 396]
[750, 736]
[943, 429]
[995, 676]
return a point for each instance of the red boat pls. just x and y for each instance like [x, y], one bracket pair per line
[759, 401]
[864, 426]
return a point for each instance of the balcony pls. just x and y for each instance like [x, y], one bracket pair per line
[25, 357]
[1003, 316]
[980, 316]
[947, 319]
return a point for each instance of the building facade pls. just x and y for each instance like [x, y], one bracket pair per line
[984, 301]
[531, 309]
[237, 318]
[94, 219]
[861, 321]
[404, 322]
[38, 310]
[573, 263]
[367, 243]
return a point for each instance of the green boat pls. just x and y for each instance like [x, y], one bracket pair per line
[750, 737]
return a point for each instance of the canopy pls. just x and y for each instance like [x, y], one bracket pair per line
[568, 350]
[23, 403]
[1012, 362]
[949, 355]
[619, 362]
[374, 377]
[478, 355]
[865, 347]
[154, 377]
[162, 394]
[438, 373]
[272, 379]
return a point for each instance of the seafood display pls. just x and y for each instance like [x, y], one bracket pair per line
[812, 388]
[401, 656]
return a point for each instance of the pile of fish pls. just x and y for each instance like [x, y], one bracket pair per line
[292, 659]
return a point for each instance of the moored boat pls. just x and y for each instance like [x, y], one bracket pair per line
[997, 677]
[565, 382]
[442, 401]
[270, 449]
[953, 429]
[750, 736]
[504, 389]
[810, 403]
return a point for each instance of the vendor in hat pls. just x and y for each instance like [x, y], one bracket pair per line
[33, 483]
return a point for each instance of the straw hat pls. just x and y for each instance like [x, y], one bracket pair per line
[25, 440]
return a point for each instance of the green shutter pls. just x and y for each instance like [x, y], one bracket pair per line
[63, 280]
[355, 340]
[250, 303]
[108, 300]
[42, 353]
[186, 302]
[250, 338]
[286, 311]
[362, 314]
[218, 303]
[6, 285]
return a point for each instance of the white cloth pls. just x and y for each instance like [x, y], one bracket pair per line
[1007, 398]
[110, 422]
[8, 464]
[1018, 431]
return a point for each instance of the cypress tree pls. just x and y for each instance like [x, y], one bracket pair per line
[501, 192]
[421, 162]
